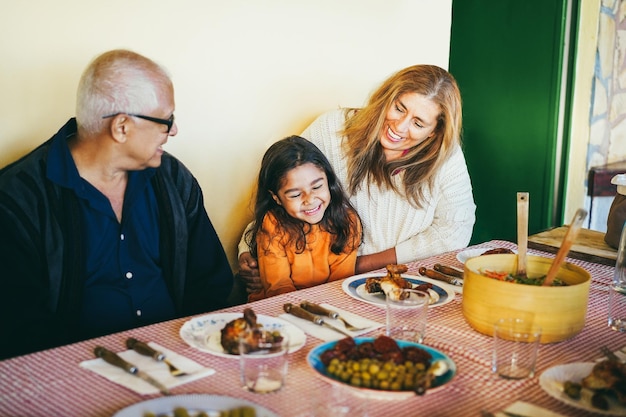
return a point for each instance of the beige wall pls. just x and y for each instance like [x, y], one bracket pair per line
[246, 73]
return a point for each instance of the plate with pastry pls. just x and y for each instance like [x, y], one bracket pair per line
[218, 333]
[466, 254]
[590, 386]
[371, 287]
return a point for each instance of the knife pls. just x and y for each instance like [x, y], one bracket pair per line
[114, 359]
[431, 273]
[303, 314]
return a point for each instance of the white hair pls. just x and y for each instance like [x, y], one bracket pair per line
[118, 81]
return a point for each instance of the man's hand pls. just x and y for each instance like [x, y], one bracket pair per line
[249, 272]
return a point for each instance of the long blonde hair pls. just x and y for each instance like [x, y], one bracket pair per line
[366, 161]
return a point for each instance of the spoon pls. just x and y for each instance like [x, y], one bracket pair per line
[568, 241]
[522, 233]
[437, 368]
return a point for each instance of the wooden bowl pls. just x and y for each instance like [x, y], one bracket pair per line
[559, 311]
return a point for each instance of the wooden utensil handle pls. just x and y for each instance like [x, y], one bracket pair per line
[568, 241]
[144, 349]
[318, 309]
[522, 232]
[302, 313]
[114, 359]
[448, 270]
[431, 273]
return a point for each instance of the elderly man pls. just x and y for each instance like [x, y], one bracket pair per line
[101, 230]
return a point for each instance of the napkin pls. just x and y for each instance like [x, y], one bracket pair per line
[155, 369]
[527, 410]
[326, 334]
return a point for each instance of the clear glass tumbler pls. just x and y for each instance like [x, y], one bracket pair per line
[617, 289]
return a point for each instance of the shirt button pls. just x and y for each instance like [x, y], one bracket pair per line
[129, 275]
[138, 313]
[122, 236]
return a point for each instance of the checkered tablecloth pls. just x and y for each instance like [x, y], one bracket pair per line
[51, 383]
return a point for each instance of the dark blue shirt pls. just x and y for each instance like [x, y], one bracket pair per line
[124, 286]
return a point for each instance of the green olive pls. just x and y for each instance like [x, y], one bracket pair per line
[181, 412]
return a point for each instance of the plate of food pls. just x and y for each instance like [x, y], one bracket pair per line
[564, 382]
[423, 368]
[485, 250]
[218, 333]
[371, 287]
[194, 405]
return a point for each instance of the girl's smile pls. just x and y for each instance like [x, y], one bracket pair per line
[304, 193]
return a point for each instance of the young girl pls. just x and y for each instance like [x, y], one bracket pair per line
[305, 231]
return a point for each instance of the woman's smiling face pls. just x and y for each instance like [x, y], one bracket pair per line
[410, 120]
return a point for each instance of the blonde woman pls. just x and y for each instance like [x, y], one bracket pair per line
[400, 160]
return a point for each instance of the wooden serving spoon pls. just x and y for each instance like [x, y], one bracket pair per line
[522, 233]
[568, 241]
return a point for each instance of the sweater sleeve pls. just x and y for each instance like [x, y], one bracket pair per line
[274, 266]
[455, 214]
[29, 323]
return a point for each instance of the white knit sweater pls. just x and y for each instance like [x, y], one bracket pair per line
[389, 220]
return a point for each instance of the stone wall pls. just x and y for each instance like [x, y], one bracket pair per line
[607, 141]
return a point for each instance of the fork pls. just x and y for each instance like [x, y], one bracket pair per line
[318, 309]
[144, 349]
[609, 354]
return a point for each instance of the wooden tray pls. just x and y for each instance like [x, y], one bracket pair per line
[588, 246]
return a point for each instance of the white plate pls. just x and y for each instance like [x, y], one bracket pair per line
[355, 288]
[194, 403]
[552, 380]
[315, 362]
[473, 252]
[204, 332]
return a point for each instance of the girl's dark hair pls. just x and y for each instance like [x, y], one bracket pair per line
[340, 218]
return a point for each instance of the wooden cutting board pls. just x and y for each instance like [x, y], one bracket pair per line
[588, 246]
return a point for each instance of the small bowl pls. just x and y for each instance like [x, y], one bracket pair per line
[559, 311]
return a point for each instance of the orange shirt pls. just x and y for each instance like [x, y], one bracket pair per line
[283, 270]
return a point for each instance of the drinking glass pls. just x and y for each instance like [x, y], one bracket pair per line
[263, 368]
[407, 312]
[617, 289]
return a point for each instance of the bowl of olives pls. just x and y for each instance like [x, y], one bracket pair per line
[382, 367]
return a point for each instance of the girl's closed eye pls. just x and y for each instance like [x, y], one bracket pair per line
[305, 193]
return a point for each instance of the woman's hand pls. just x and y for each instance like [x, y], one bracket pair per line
[249, 273]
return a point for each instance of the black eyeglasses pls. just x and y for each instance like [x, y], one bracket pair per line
[167, 122]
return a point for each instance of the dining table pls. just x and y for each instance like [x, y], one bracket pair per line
[52, 382]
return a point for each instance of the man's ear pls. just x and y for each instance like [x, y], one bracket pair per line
[119, 127]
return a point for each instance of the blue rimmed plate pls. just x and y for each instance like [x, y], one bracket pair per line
[194, 403]
[204, 332]
[355, 288]
[315, 362]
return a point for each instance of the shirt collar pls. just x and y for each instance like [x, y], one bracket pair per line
[61, 168]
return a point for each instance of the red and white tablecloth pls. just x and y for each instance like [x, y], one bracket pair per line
[51, 383]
